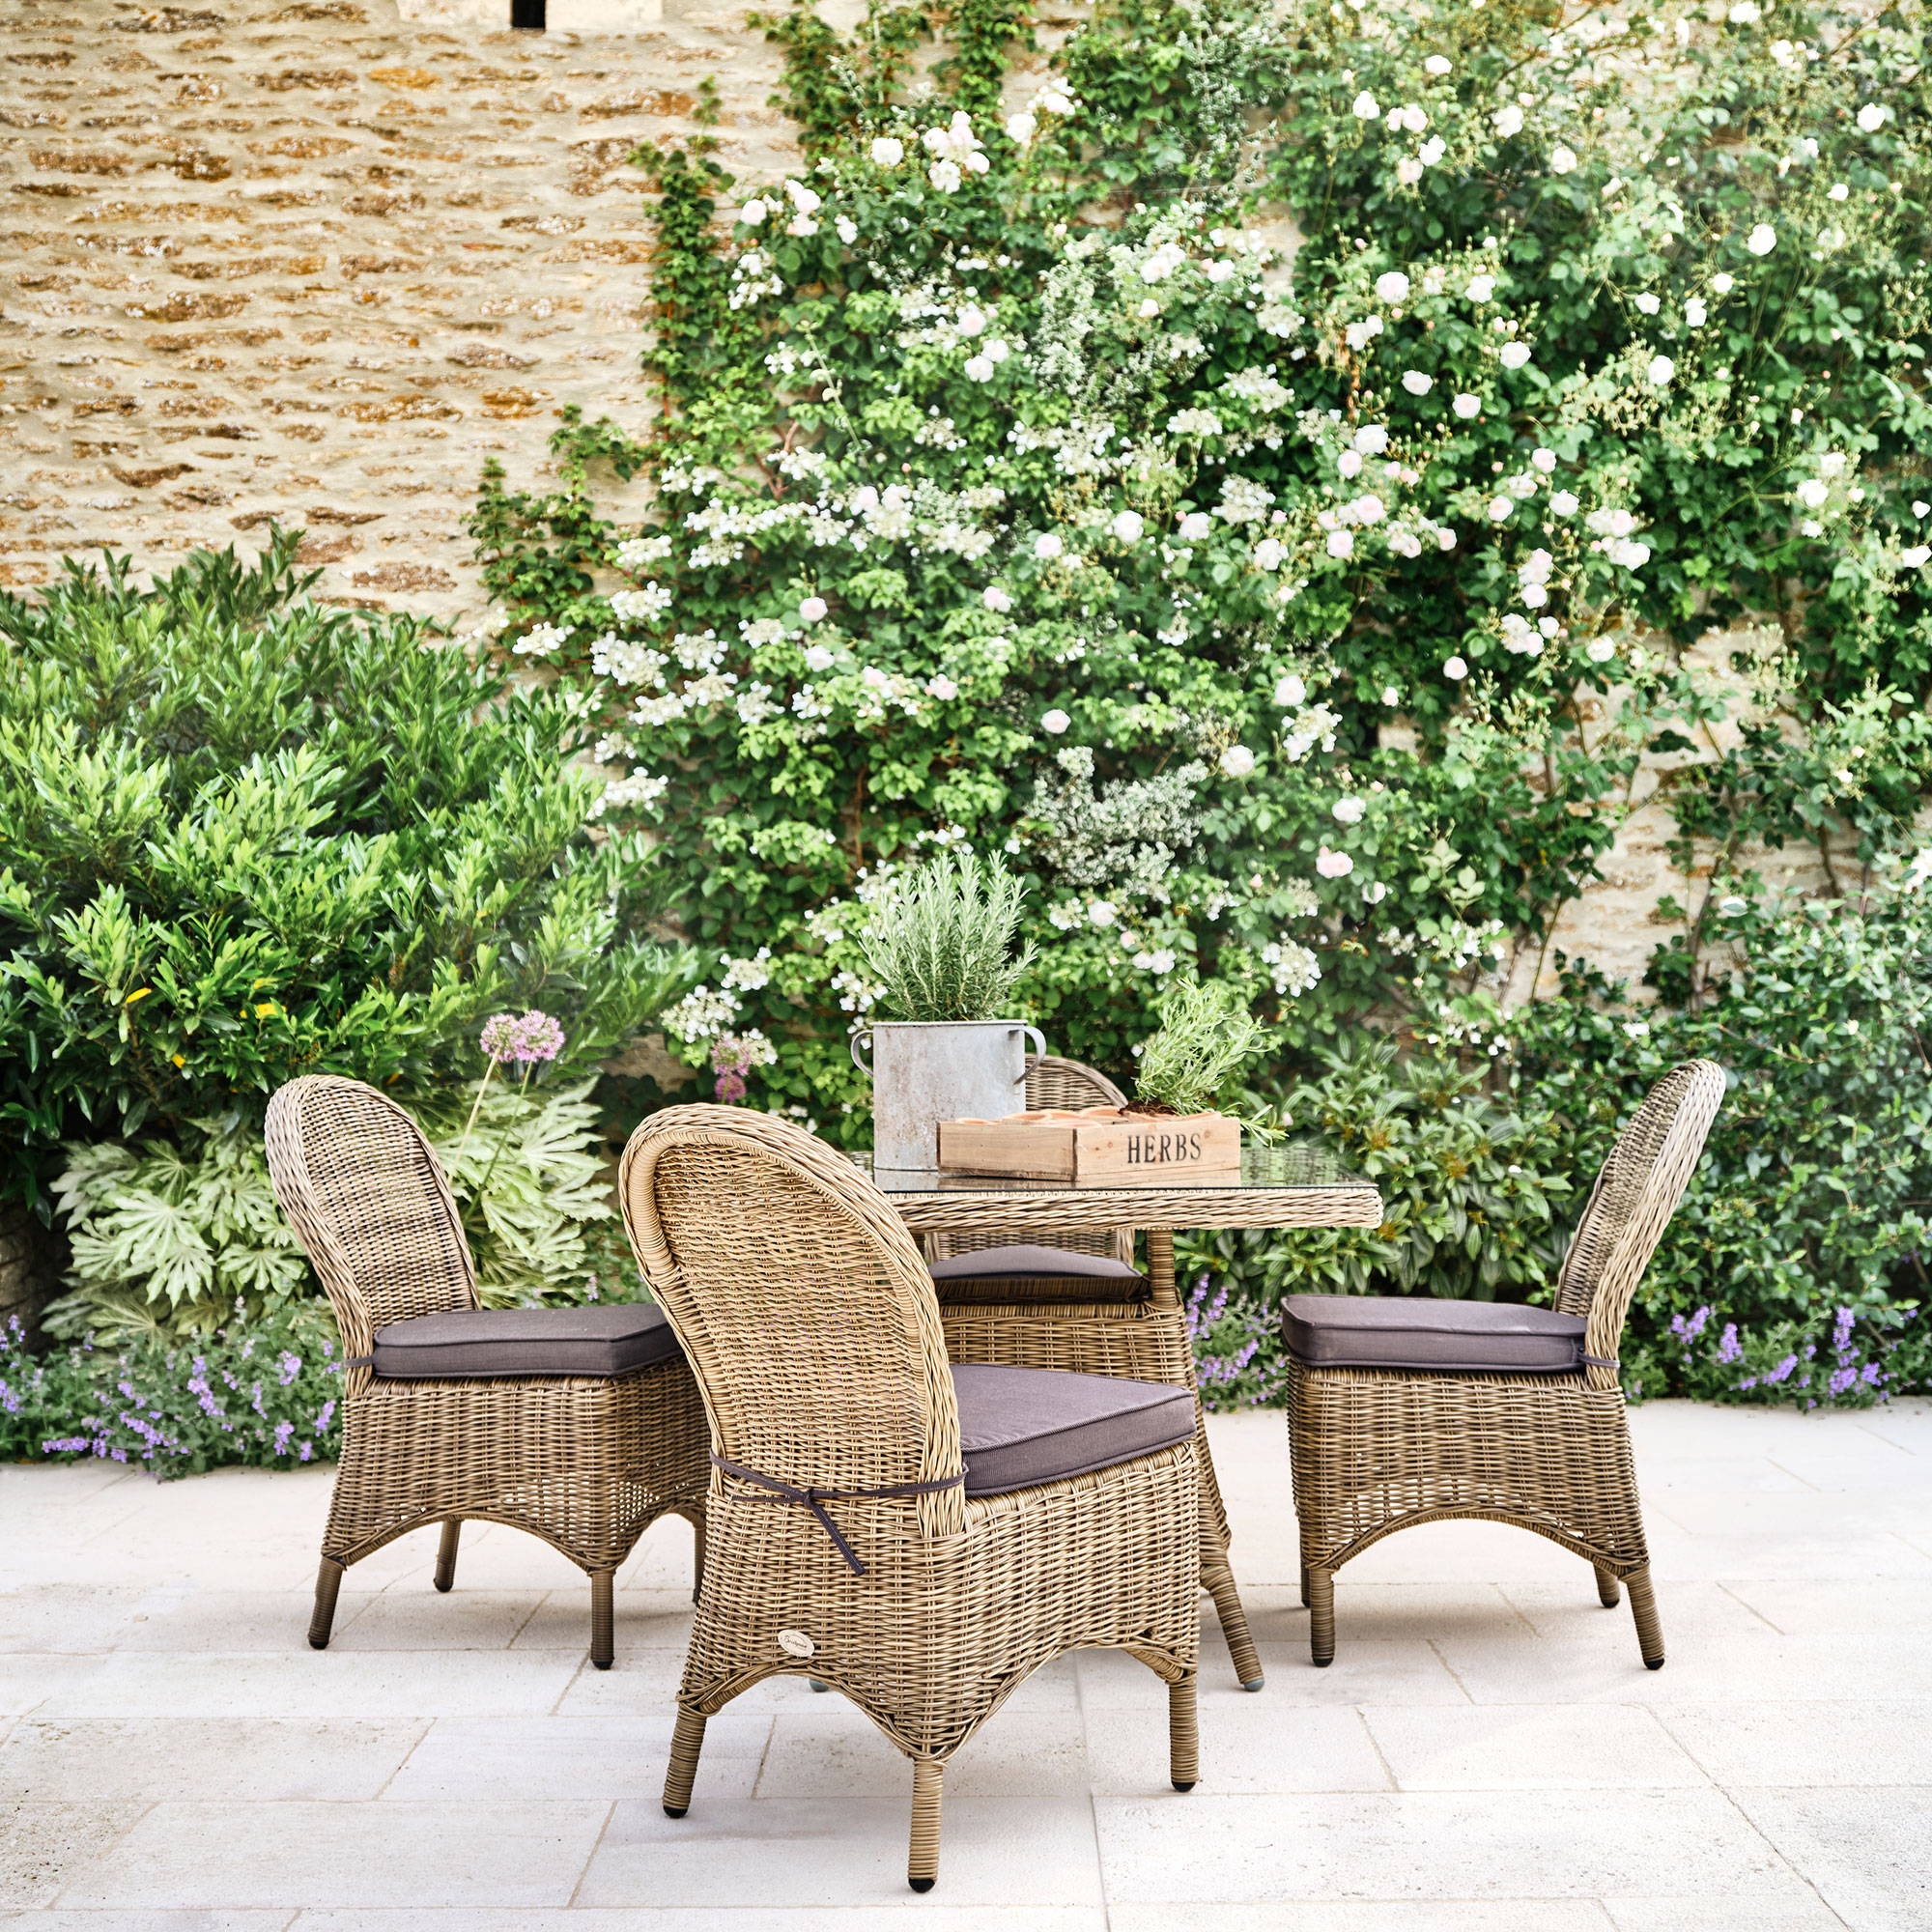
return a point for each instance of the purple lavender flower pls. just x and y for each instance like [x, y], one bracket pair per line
[289, 1368]
[1730, 1347]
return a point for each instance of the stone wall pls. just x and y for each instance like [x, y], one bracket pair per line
[316, 262]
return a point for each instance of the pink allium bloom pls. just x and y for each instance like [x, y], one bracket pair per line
[526, 1040]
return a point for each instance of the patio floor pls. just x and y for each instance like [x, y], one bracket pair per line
[1486, 1752]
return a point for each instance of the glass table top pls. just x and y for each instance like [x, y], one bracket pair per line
[1294, 1164]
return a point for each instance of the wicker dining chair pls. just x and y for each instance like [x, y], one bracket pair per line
[580, 1425]
[1404, 1410]
[920, 1536]
[1080, 1304]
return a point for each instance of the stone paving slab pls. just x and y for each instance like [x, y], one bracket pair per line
[1486, 1753]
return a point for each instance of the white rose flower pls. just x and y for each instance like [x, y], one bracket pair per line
[1695, 314]
[1416, 382]
[978, 162]
[812, 609]
[942, 687]
[1349, 810]
[1055, 98]
[1837, 192]
[1661, 369]
[1392, 287]
[1333, 865]
[979, 369]
[1350, 463]
[994, 350]
[1915, 556]
[1021, 128]
[1236, 761]
[1270, 553]
[1047, 545]
[1534, 595]
[1055, 723]
[1467, 406]
[1562, 160]
[1368, 509]
[818, 657]
[887, 152]
[1455, 668]
[1648, 304]
[1431, 151]
[1365, 108]
[1436, 64]
[1507, 119]
[1291, 693]
[1481, 288]
[1601, 650]
[1128, 527]
[1762, 238]
[1812, 494]
[1920, 508]
[971, 320]
[1371, 438]
[1514, 355]
[1565, 503]
[753, 213]
[1543, 460]
[1195, 526]
[1745, 13]
[1407, 171]
[1390, 695]
[945, 176]
[1102, 912]
[1340, 543]
[848, 229]
[1500, 508]
[1871, 118]
[995, 599]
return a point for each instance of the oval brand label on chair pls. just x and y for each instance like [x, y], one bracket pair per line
[795, 1643]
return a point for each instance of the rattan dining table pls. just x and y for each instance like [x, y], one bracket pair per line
[1286, 1188]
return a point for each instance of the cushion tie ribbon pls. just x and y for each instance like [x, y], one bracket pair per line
[814, 1500]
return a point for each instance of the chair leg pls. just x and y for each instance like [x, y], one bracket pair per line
[1183, 1736]
[1322, 1617]
[1608, 1593]
[1304, 1586]
[696, 1559]
[1643, 1609]
[446, 1554]
[928, 1776]
[602, 1620]
[686, 1742]
[327, 1587]
[1218, 1580]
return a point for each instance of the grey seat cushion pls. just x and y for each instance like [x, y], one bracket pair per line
[608, 1339]
[1372, 1331]
[1019, 1426]
[1031, 1261]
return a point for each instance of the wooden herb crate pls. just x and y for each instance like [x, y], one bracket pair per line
[1101, 1143]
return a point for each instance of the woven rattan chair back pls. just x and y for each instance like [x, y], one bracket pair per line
[1052, 1082]
[803, 1308]
[369, 1202]
[1636, 1193]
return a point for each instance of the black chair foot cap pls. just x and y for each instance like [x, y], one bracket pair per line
[1253, 1683]
[602, 1662]
[818, 1684]
[676, 1810]
[445, 1588]
[318, 1643]
[1188, 1787]
[1649, 1666]
[921, 1883]
[1322, 1663]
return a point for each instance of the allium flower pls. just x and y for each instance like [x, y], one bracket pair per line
[1055, 723]
[1128, 527]
[1562, 159]
[1467, 406]
[1661, 369]
[888, 152]
[1454, 668]
[1236, 761]
[1333, 865]
[1365, 108]
[1392, 287]
[1416, 382]
[1762, 238]
[1514, 355]
[522, 1041]
[812, 609]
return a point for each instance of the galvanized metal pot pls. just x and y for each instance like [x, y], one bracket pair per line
[925, 1072]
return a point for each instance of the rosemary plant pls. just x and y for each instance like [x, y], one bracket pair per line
[941, 941]
[1207, 1037]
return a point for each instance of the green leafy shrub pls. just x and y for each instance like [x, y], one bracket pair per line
[242, 837]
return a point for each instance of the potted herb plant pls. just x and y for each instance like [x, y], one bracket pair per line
[943, 944]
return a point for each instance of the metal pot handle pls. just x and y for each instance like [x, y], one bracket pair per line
[1033, 1059]
[864, 1033]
